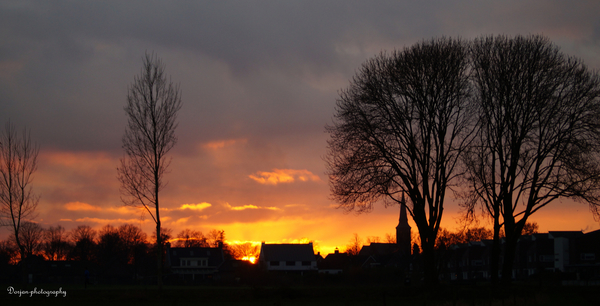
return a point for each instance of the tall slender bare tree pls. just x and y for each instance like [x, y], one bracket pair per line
[539, 113]
[400, 129]
[152, 105]
[18, 162]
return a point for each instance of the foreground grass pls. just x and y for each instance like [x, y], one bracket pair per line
[306, 295]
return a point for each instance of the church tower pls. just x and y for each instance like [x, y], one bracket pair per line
[403, 234]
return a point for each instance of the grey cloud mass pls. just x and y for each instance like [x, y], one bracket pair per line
[66, 65]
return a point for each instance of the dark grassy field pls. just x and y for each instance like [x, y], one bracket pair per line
[306, 295]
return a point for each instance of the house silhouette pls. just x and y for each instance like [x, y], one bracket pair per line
[288, 257]
[196, 263]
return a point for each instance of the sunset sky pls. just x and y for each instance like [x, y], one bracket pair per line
[259, 81]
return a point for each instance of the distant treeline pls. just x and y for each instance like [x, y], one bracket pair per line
[125, 244]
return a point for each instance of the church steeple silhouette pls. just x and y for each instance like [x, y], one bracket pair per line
[403, 233]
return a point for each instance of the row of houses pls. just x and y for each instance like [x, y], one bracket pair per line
[572, 253]
[199, 264]
[196, 264]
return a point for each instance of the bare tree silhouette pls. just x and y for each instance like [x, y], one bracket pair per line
[152, 106]
[354, 245]
[400, 128]
[18, 162]
[539, 114]
[56, 244]
[83, 238]
[190, 238]
[31, 236]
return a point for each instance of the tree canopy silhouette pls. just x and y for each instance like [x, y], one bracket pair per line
[539, 134]
[401, 127]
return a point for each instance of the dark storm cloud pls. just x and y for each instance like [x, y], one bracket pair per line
[67, 64]
[74, 60]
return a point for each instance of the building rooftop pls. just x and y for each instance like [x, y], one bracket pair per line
[287, 252]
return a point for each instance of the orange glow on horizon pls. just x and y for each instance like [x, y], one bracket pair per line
[237, 201]
[251, 259]
[327, 232]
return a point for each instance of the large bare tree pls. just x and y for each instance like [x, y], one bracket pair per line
[134, 241]
[31, 237]
[18, 162]
[152, 105]
[191, 239]
[83, 238]
[539, 137]
[56, 244]
[400, 128]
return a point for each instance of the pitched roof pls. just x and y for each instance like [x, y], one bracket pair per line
[287, 252]
[335, 261]
[377, 248]
[565, 234]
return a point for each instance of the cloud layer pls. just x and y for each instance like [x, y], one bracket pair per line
[259, 81]
[278, 176]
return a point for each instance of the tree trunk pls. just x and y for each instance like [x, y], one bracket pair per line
[19, 244]
[495, 256]
[159, 253]
[429, 262]
[159, 241]
[513, 233]
[509, 258]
